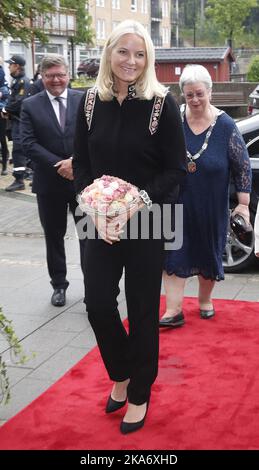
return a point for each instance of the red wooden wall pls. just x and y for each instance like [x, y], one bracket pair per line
[166, 72]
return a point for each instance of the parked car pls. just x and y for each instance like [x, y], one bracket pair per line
[239, 255]
[253, 103]
[89, 67]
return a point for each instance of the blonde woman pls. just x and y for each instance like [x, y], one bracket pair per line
[130, 127]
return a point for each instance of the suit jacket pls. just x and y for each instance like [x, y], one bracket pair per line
[45, 143]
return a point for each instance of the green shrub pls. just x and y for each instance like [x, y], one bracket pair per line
[253, 70]
[17, 356]
[82, 82]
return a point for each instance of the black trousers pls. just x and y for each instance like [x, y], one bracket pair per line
[3, 142]
[53, 210]
[133, 355]
[19, 159]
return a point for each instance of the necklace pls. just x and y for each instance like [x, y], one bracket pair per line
[191, 165]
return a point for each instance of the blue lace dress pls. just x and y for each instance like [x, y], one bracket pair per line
[204, 195]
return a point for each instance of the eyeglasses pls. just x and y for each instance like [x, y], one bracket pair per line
[51, 76]
[189, 96]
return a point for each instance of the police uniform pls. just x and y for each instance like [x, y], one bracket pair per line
[18, 91]
[4, 92]
[19, 88]
[35, 87]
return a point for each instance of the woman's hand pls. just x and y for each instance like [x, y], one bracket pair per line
[242, 209]
[111, 228]
[108, 231]
[117, 223]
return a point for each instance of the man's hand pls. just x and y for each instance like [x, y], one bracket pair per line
[4, 114]
[64, 169]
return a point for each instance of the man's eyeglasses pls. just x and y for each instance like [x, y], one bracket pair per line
[51, 76]
[190, 95]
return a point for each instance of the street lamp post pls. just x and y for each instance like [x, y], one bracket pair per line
[194, 23]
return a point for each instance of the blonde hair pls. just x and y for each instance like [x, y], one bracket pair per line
[147, 85]
[194, 73]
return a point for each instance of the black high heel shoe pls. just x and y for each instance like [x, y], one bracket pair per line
[125, 427]
[114, 405]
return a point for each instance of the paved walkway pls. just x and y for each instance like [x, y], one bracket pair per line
[60, 337]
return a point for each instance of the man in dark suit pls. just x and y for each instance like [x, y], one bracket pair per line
[47, 133]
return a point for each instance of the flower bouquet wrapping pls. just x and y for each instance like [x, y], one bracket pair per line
[108, 196]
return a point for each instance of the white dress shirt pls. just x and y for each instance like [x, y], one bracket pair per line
[55, 103]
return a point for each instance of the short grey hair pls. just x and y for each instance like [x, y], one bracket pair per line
[194, 73]
[51, 60]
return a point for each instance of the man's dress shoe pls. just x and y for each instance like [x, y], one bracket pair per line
[172, 322]
[58, 298]
[206, 314]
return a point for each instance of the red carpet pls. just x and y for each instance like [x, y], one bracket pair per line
[206, 395]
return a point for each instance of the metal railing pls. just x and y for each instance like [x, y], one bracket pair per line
[62, 22]
[157, 41]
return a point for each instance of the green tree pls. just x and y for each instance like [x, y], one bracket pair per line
[16, 18]
[253, 70]
[84, 31]
[229, 16]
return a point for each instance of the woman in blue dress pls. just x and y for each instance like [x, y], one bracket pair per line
[215, 149]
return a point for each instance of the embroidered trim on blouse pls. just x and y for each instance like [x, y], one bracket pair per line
[156, 113]
[89, 105]
[131, 92]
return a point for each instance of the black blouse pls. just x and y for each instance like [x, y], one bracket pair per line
[125, 141]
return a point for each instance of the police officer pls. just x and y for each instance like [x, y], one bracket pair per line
[36, 83]
[19, 89]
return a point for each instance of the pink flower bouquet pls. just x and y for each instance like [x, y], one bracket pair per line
[109, 196]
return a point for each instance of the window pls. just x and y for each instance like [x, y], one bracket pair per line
[134, 5]
[165, 9]
[100, 3]
[165, 35]
[41, 51]
[88, 53]
[143, 6]
[17, 47]
[177, 70]
[100, 30]
[115, 24]
[116, 4]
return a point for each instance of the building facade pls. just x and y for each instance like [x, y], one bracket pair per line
[155, 15]
[58, 26]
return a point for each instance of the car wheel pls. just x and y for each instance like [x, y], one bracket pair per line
[81, 74]
[238, 256]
